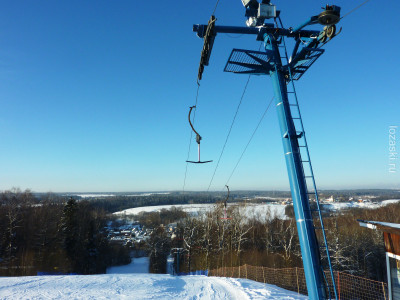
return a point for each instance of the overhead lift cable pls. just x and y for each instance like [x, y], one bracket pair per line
[215, 8]
[190, 140]
[248, 143]
[230, 129]
[354, 9]
[229, 132]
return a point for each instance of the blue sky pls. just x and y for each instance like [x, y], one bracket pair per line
[95, 95]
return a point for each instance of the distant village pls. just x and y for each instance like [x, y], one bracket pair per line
[326, 200]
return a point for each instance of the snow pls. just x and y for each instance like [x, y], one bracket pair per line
[94, 195]
[386, 224]
[370, 205]
[190, 208]
[196, 209]
[86, 195]
[386, 202]
[139, 286]
[138, 265]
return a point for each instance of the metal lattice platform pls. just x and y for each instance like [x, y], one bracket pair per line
[304, 61]
[248, 62]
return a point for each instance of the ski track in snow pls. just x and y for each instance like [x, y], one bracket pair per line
[139, 286]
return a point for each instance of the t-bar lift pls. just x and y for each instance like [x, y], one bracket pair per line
[306, 51]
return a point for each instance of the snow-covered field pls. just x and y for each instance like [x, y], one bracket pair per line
[260, 210]
[138, 286]
[197, 209]
[344, 205]
[99, 195]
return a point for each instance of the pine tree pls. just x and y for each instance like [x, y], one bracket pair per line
[70, 232]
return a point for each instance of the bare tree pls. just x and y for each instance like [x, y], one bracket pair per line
[285, 239]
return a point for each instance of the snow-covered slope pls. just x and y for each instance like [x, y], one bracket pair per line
[259, 210]
[138, 286]
[196, 209]
[138, 265]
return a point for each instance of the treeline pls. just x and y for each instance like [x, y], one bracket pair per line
[162, 217]
[121, 202]
[264, 240]
[118, 203]
[56, 235]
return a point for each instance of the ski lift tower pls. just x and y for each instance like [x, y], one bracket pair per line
[274, 61]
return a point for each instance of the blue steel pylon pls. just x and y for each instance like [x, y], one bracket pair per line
[270, 63]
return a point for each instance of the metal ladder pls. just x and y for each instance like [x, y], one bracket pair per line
[308, 173]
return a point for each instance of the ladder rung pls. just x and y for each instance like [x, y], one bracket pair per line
[305, 161]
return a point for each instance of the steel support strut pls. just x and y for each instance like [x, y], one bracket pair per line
[305, 226]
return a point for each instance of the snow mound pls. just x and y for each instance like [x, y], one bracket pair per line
[139, 286]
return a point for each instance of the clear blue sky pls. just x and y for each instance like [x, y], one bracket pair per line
[95, 95]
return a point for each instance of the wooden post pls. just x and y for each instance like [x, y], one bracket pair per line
[297, 278]
[338, 282]
[263, 274]
[246, 271]
[384, 293]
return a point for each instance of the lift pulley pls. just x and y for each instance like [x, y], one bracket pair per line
[198, 139]
[209, 38]
[330, 15]
[328, 33]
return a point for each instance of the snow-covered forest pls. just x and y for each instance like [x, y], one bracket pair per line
[209, 241]
[54, 235]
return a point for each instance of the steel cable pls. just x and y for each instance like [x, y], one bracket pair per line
[229, 132]
[248, 143]
[191, 136]
[354, 9]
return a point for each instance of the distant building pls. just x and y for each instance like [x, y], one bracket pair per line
[391, 234]
[330, 199]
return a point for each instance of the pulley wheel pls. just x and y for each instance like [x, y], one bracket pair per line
[328, 17]
[322, 37]
[330, 31]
